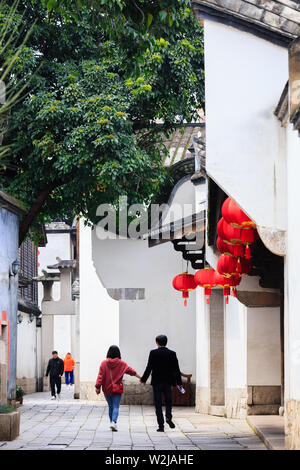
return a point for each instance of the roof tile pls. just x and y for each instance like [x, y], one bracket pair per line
[276, 16]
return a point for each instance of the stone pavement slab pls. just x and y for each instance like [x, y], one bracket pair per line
[270, 429]
[70, 424]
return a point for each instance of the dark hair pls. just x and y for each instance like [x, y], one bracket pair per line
[161, 340]
[54, 352]
[113, 352]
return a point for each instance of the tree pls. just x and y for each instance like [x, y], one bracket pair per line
[87, 132]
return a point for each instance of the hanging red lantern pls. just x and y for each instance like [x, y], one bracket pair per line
[205, 278]
[230, 266]
[184, 282]
[227, 284]
[224, 282]
[229, 234]
[236, 236]
[228, 249]
[234, 215]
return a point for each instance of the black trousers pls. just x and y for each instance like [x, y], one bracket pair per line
[158, 391]
[55, 380]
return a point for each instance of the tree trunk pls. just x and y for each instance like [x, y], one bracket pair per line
[33, 211]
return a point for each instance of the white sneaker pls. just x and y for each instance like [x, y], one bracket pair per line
[58, 396]
[113, 426]
[53, 398]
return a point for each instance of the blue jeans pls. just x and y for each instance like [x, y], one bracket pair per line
[113, 402]
[69, 377]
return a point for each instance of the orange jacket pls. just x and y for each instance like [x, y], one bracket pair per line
[69, 363]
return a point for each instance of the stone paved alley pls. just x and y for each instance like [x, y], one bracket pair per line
[78, 425]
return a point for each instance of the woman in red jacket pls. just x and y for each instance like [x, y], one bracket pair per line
[110, 379]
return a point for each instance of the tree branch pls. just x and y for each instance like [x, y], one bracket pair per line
[34, 210]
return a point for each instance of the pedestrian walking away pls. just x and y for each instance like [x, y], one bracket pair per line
[56, 369]
[69, 364]
[164, 367]
[110, 378]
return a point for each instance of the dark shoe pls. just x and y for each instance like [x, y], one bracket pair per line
[160, 429]
[171, 424]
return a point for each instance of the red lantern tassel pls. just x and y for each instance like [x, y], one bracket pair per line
[207, 291]
[247, 252]
[185, 295]
[226, 299]
[207, 299]
[239, 266]
[226, 291]
[233, 292]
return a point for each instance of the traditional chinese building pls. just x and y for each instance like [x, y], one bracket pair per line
[252, 151]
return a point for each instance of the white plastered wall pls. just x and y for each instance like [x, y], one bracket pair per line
[245, 143]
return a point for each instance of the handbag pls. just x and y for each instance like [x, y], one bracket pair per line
[116, 388]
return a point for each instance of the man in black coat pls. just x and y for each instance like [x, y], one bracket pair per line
[163, 364]
[56, 370]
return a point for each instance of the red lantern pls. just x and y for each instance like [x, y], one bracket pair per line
[229, 266]
[236, 236]
[205, 278]
[229, 234]
[227, 283]
[234, 215]
[228, 249]
[184, 282]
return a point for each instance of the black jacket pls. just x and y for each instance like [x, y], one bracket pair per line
[163, 364]
[55, 367]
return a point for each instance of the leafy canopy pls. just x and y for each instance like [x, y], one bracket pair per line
[86, 132]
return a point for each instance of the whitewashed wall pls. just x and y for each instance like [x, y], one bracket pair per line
[263, 349]
[292, 261]
[27, 362]
[99, 316]
[244, 78]
[26, 359]
[131, 264]
[235, 331]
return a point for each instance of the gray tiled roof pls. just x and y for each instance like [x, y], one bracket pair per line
[180, 143]
[277, 16]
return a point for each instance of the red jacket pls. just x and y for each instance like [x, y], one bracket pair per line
[112, 370]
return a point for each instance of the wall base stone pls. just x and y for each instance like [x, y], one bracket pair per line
[28, 384]
[87, 392]
[236, 403]
[134, 394]
[292, 424]
[9, 426]
[202, 400]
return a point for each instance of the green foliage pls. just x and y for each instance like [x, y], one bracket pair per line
[11, 53]
[6, 409]
[86, 132]
[19, 392]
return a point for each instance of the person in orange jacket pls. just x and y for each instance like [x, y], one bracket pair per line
[69, 364]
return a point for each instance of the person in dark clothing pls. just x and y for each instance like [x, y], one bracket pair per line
[163, 364]
[56, 369]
